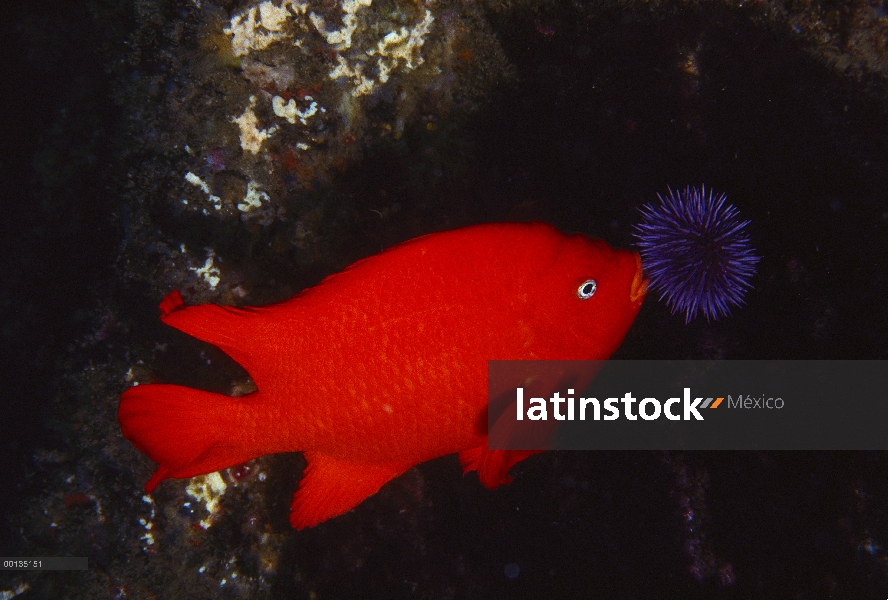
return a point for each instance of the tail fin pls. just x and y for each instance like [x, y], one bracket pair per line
[187, 432]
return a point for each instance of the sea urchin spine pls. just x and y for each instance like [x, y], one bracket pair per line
[696, 252]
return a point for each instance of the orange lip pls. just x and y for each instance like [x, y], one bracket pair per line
[639, 283]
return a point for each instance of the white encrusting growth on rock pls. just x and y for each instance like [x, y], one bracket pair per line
[251, 137]
[341, 39]
[197, 181]
[208, 489]
[260, 26]
[361, 85]
[290, 112]
[253, 199]
[402, 45]
[209, 272]
[397, 48]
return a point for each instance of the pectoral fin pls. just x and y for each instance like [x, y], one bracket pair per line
[492, 465]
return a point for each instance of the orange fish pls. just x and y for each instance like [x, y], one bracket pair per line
[384, 365]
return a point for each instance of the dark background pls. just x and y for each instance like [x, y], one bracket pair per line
[601, 118]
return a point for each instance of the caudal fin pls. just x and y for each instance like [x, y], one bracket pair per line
[186, 431]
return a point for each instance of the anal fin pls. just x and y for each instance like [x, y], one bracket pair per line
[332, 486]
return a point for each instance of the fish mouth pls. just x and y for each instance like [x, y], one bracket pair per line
[640, 283]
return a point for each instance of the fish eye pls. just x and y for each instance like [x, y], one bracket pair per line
[587, 289]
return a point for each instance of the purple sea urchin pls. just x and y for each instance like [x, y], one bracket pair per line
[696, 252]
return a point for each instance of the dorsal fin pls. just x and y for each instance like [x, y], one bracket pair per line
[239, 332]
